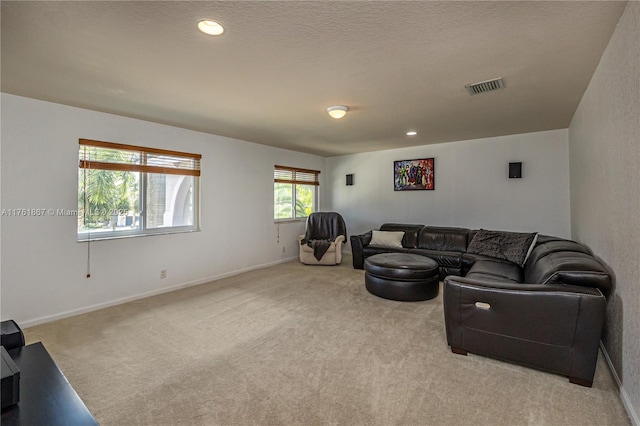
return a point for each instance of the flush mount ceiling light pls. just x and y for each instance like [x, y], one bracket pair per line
[337, 111]
[412, 133]
[210, 27]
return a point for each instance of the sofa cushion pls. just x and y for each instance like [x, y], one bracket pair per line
[496, 270]
[511, 246]
[410, 232]
[371, 250]
[443, 238]
[445, 271]
[387, 238]
[468, 259]
[444, 258]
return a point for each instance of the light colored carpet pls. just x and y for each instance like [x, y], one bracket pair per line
[293, 345]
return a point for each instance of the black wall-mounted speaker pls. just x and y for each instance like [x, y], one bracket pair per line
[515, 170]
[350, 180]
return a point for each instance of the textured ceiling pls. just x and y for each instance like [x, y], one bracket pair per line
[398, 66]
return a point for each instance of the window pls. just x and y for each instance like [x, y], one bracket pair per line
[126, 190]
[294, 192]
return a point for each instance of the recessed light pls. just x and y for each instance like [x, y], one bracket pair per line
[210, 27]
[412, 133]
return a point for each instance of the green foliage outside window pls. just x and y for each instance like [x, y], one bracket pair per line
[284, 200]
[304, 200]
[108, 192]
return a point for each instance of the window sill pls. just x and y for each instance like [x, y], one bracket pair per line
[97, 237]
[304, 219]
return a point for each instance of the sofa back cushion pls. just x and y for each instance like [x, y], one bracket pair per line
[569, 268]
[558, 261]
[546, 246]
[443, 238]
[410, 232]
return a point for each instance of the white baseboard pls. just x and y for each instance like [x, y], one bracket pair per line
[631, 412]
[91, 308]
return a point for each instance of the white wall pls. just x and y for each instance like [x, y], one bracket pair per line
[43, 267]
[604, 142]
[472, 188]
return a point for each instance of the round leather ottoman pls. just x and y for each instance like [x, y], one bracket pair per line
[402, 276]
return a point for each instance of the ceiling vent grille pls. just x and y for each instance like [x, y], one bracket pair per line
[485, 86]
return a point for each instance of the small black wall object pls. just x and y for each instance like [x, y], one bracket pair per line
[349, 179]
[515, 170]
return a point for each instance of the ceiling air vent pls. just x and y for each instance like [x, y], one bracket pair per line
[485, 86]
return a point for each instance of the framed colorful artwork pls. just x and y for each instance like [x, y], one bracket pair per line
[411, 175]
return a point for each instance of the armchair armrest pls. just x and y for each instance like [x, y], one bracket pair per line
[333, 255]
[338, 241]
[553, 327]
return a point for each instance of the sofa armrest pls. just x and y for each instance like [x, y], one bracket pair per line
[498, 284]
[553, 327]
[358, 242]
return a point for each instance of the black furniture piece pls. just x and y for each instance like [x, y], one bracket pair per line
[11, 335]
[444, 245]
[46, 397]
[322, 241]
[10, 380]
[400, 276]
[546, 312]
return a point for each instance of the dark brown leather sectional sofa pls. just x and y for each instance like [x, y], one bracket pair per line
[547, 314]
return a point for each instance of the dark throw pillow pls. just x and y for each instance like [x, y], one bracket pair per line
[511, 246]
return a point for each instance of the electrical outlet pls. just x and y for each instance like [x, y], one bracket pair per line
[163, 274]
[284, 249]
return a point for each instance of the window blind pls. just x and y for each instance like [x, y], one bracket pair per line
[129, 158]
[284, 174]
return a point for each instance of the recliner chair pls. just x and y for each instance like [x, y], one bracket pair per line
[323, 239]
